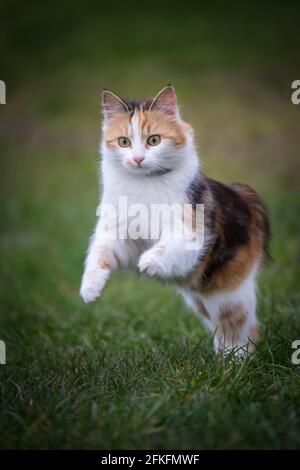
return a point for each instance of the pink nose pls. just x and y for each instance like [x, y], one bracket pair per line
[138, 160]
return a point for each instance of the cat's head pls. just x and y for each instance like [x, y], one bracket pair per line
[145, 137]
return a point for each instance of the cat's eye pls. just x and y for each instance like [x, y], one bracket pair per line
[124, 141]
[153, 140]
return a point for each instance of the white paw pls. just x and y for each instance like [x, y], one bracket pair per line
[92, 285]
[151, 264]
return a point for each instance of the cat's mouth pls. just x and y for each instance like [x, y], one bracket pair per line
[142, 171]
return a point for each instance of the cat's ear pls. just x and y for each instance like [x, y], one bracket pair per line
[165, 100]
[112, 104]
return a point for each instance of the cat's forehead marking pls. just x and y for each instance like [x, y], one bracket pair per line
[137, 105]
[135, 124]
[139, 123]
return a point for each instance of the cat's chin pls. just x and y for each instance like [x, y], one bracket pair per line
[141, 171]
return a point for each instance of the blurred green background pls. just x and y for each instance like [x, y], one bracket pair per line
[136, 369]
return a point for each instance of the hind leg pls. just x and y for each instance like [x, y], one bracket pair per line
[194, 303]
[233, 319]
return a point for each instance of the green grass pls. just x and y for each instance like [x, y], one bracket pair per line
[136, 370]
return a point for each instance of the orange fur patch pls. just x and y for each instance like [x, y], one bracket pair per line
[118, 126]
[150, 123]
[108, 260]
[158, 122]
[233, 318]
[235, 271]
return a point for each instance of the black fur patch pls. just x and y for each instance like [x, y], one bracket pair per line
[137, 104]
[196, 190]
[198, 193]
[235, 221]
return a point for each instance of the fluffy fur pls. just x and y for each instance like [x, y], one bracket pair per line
[217, 278]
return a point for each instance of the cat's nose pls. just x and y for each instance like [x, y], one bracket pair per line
[138, 160]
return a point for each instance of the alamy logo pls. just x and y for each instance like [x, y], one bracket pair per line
[296, 94]
[296, 354]
[2, 352]
[2, 92]
[124, 221]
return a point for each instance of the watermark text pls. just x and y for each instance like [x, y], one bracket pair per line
[124, 220]
[2, 92]
[2, 353]
[296, 354]
[295, 97]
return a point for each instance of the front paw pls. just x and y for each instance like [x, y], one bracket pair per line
[150, 263]
[92, 285]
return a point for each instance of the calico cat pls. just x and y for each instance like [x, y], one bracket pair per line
[149, 157]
